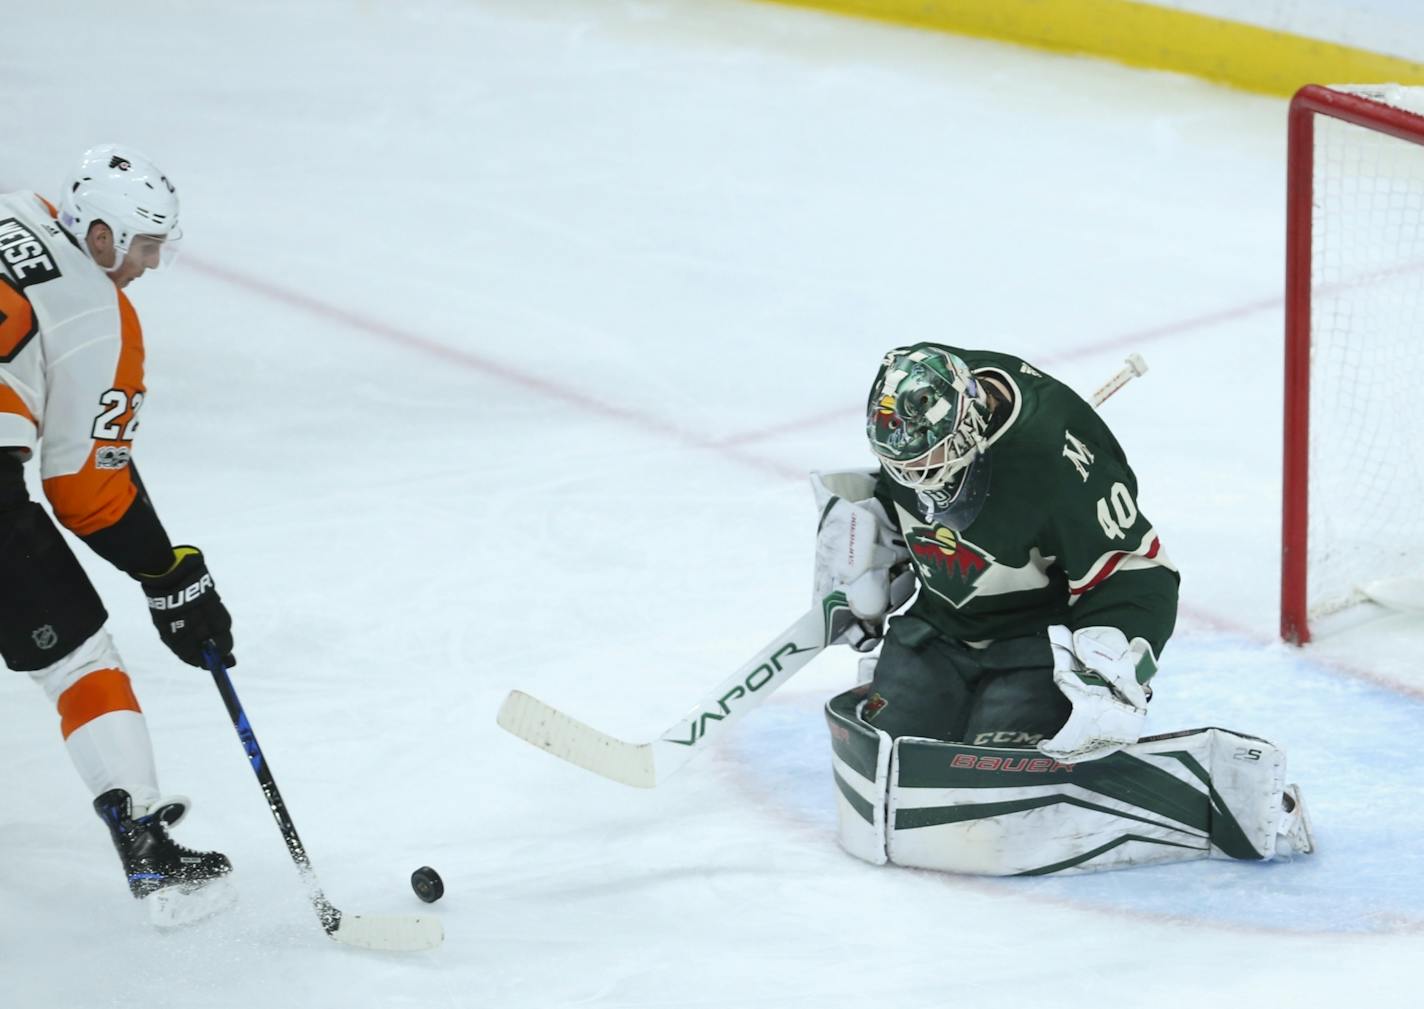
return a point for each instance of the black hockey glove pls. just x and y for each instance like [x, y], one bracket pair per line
[186, 608]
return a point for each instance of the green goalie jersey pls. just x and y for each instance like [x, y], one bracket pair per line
[1044, 528]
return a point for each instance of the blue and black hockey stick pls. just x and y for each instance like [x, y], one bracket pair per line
[384, 932]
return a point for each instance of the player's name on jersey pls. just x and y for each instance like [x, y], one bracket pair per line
[25, 257]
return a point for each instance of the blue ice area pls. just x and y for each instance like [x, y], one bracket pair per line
[1351, 744]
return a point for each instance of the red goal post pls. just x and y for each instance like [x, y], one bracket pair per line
[1352, 487]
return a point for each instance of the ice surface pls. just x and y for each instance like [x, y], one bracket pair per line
[503, 338]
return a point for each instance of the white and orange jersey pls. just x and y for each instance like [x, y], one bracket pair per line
[71, 367]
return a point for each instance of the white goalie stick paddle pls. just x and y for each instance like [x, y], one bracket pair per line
[645, 765]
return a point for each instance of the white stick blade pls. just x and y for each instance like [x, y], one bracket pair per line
[569, 739]
[392, 933]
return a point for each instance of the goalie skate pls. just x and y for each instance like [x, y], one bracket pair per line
[1294, 836]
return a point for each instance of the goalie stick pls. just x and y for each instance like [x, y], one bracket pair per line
[1134, 367]
[394, 933]
[645, 765]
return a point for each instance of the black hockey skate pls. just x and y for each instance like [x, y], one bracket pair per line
[158, 867]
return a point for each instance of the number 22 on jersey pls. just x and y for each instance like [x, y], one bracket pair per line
[115, 403]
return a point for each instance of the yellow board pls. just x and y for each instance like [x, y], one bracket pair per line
[1139, 34]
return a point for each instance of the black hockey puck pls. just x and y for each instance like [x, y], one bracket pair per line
[427, 884]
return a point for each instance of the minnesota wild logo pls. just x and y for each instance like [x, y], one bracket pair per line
[949, 565]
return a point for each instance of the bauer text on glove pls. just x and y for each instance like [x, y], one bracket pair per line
[186, 608]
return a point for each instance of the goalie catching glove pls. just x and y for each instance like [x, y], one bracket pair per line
[1105, 679]
[187, 610]
[859, 551]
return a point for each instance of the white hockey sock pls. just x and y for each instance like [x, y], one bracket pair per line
[104, 729]
[114, 751]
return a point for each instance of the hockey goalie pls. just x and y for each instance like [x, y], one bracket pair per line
[999, 729]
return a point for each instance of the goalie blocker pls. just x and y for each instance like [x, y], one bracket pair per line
[1204, 793]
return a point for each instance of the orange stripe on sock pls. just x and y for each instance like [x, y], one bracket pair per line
[99, 693]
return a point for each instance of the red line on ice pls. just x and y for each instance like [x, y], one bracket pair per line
[644, 423]
[650, 424]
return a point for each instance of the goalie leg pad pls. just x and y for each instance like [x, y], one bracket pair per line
[1001, 811]
[860, 766]
[1248, 783]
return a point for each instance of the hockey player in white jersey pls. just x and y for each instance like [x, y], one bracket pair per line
[71, 387]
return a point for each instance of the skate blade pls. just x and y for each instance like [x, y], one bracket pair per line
[182, 905]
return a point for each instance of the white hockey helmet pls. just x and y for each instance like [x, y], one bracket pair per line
[119, 186]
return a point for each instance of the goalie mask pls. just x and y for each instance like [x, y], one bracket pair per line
[926, 417]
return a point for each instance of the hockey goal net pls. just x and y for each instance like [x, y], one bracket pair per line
[1353, 527]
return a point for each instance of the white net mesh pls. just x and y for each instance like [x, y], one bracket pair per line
[1366, 495]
